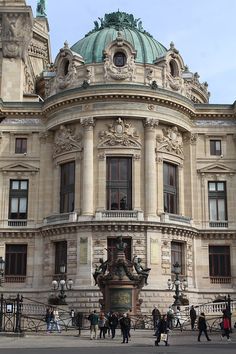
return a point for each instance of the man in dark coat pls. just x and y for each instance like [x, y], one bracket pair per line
[162, 328]
[202, 327]
[193, 317]
[125, 324]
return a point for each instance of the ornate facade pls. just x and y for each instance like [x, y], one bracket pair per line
[115, 140]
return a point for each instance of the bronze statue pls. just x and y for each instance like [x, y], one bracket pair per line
[100, 269]
[139, 268]
[41, 8]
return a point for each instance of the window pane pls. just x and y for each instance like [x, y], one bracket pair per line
[220, 186]
[23, 205]
[213, 210]
[14, 205]
[221, 209]
[15, 185]
[23, 185]
[212, 186]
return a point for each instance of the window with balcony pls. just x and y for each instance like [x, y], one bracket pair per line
[177, 256]
[170, 188]
[119, 183]
[20, 145]
[112, 248]
[60, 257]
[215, 147]
[18, 199]
[217, 204]
[16, 263]
[219, 263]
[67, 190]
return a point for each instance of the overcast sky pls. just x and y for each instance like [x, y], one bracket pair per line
[204, 32]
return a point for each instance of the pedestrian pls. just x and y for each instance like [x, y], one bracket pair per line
[162, 331]
[55, 322]
[128, 316]
[155, 317]
[93, 318]
[202, 327]
[193, 317]
[125, 327]
[102, 325]
[49, 318]
[113, 322]
[72, 315]
[225, 325]
[170, 317]
[178, 318]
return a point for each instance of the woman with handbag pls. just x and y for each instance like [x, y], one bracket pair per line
[162, 331]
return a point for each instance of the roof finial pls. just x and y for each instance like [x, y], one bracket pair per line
[41, 8]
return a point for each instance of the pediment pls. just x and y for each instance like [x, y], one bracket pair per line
[217, 168]
[19, 167]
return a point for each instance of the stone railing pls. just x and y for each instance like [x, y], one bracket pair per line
[119, 214]
[170, 218]
[61, 218]
[218, 224]
[212, 308]
[220, 280]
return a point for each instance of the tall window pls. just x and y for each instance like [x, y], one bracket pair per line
[20, 145]
[67, 193]
[217, 201]
[215, 147]
[18, 203]
[112, 249]
[219, 261]
[170, 188]
[16, 259]
[119, 59]
[119, 183]
[60, 256]
[177, 255]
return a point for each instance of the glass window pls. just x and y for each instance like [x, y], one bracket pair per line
[119, 183]
[119, 59]
[217, 201]
[60, 256]
[16, 259]
[20, 145]
[219, 261]
[215, 147]
[170, 188]
[177, 255]
[67, 192]
[18, 199]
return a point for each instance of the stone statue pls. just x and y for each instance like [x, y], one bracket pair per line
[41, 8]
[100, 269]
[139, 268]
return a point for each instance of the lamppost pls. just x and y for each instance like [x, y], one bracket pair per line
[177, 284]
[62, 285]
[2, 270]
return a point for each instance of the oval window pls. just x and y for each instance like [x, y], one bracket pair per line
[119, 59]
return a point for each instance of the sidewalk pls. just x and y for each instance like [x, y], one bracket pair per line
[140, 338]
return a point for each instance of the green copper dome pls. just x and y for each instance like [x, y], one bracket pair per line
[91, 47]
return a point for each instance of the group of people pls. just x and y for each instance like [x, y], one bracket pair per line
[52, 320]
[107, 323]
[166, 322]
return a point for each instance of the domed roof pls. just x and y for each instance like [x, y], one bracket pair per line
[91, 47]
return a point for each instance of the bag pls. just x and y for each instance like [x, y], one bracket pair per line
[164, 337]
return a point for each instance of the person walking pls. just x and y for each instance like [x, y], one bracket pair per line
[156, 316]
[193, 317]
[125, 324]
[102, 325]
[55, 322]
[225, 327]
[93, 318]
[162, 331]
[49, 318]
[113, 322]
[178, 318]
[170, 317]
[202, 327]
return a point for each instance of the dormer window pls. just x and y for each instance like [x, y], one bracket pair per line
[119, 59]
[173, 68]
[66, 66]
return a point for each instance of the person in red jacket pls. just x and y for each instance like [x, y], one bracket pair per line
[226, 327]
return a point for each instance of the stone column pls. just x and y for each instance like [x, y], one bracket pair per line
[160, 196]
[150, 168]
[87, 184]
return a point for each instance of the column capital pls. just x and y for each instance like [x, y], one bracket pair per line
[87, 123]
[150, 123]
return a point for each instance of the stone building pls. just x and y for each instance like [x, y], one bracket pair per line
[115, 138]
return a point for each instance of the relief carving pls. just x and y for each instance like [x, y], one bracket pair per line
[120, 132]
[171, 141]
[66, 140]
[28, 83]
[119, 73]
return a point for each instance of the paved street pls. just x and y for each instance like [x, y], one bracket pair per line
[142, 342]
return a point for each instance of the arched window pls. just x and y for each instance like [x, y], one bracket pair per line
[66, 64]
[119, 59]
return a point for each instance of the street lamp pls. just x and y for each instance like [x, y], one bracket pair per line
[62, 285]
[2, 270]
[177, 284]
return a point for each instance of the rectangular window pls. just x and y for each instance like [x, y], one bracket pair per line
[20, 145]
[170, 188]
[215, 147]
[112, 248]
[16, 260]
[219, 261]
[60, 256]
[67, 192]
[177, 255]
[217, 201]
[18, 199]
[119, 183]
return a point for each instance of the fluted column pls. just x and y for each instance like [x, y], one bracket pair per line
[150, 168]
[87, 185]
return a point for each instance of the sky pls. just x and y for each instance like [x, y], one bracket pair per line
[204, 32]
